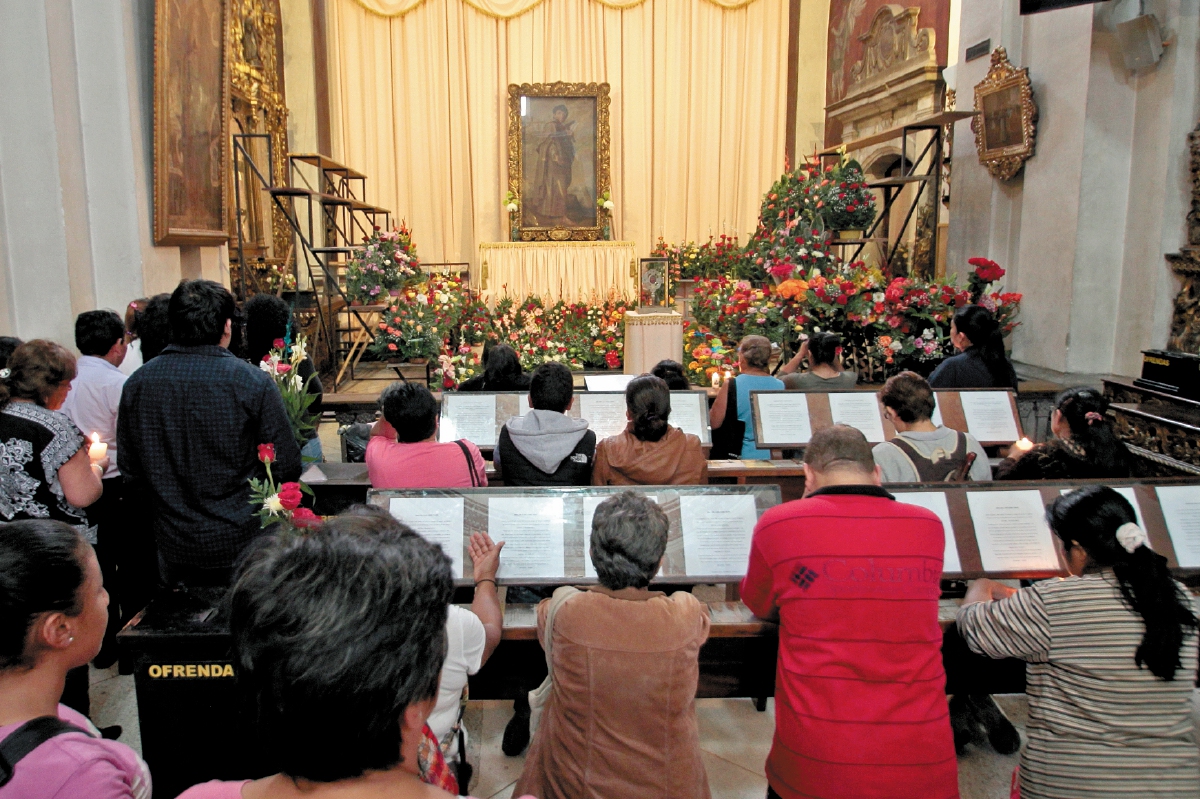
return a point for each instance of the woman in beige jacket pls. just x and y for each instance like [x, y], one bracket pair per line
[649, 451]
[621, 720]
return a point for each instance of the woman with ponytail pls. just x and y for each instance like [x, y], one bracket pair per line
[1110, 654]
[981, 362]
[650, 451]
[1084, 444]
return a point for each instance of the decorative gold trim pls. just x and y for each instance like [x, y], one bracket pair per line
[398, 8]
[164, 234]
[254, 67]
[637, 318]
[533, 245]
[1005, 162]
[600, 92]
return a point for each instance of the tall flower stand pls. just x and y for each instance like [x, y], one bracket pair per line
[651, 337]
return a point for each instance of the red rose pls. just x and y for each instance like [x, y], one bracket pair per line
[842, 300]
[303, 517]
[290, 495]
[266, 453]
[277, 343]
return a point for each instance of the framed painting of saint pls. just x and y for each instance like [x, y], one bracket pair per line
[191, 122]
[558, 168]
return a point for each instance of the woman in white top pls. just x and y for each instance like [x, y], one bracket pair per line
[1111, 659]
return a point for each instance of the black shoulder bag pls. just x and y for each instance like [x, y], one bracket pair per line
[26, 738]
[475, 481]
[727, 439]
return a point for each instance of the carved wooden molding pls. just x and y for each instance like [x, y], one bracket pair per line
[1006, 125]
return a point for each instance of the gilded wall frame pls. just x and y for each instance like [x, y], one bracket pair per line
[191, 122]
[1005, 127]
[558, 160]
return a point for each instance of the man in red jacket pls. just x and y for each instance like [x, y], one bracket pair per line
[853, 575]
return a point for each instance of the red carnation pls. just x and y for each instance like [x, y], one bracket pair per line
[266, 453]
[290, 495]
[277, 343]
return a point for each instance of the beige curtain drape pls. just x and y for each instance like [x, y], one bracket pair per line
[419, 103]
[507, 9]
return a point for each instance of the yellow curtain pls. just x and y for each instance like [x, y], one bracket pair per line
[419, 103]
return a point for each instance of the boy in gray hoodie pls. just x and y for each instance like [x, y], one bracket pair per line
[546, 447]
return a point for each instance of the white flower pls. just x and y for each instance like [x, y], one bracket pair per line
[422, 299]
[609, 205]
[879, 296]
[802, 251]
[896, 346]
[511, 208]
[928, 334]
[273, 504]
[299, 351]
[267, 366]
[443, 297]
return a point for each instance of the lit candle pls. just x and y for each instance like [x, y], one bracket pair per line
[98, 449]
[1024, 445]
[716, 379]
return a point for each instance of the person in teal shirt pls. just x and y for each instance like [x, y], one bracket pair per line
[754, 353]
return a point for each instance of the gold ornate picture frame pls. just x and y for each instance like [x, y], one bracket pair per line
[191, 122]
[1005, 127]
[558, 160]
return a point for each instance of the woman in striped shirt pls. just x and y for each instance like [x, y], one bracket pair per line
[1111, 654]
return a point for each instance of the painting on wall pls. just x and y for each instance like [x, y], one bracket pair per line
[558, 150]
[191, 122]
[1006, 127]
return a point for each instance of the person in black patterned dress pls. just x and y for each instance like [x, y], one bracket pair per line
[45, 472]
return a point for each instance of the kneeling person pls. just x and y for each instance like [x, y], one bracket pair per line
[854, 578]
[924, 452]
[545, 447]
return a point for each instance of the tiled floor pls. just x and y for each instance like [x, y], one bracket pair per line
[734, 738]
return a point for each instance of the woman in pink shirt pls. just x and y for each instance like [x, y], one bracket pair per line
[338, 643]
[404, 451]
[53, 612]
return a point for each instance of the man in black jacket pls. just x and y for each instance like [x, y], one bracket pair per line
[190, 430]
[545, 447]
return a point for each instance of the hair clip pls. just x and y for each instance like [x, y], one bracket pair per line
[1093, 417]
[1130, 536]
[4, 373]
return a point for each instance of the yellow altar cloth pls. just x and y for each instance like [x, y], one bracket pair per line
[570, 270]
[651, 337]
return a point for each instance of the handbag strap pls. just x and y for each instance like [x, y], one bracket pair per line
[26, 738]
[561, 595]
[470, 463]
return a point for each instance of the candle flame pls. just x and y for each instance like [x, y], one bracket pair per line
[95, 438]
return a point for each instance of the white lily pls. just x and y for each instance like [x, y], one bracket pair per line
[512, 208]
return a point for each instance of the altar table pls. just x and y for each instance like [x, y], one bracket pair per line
[575, 271]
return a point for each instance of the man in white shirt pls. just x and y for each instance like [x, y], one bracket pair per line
[924, 452]
[92, 404]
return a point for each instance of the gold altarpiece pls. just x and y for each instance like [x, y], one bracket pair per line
[255, 37]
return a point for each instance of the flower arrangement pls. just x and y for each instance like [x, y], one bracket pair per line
[387, 262]
[604, 202]
[279, 504]
[847, 202]
[790, 248]
[716, 257]
[705, 354]
[456, 366]
[282, 363]
[983, 289]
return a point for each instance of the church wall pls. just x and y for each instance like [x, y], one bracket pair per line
[1083, 229]
[76, 174]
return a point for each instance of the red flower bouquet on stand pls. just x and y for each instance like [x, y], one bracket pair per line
[983, 288]
[279, 504]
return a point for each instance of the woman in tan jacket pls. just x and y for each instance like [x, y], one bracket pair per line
[621, 720]
[650, 451]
